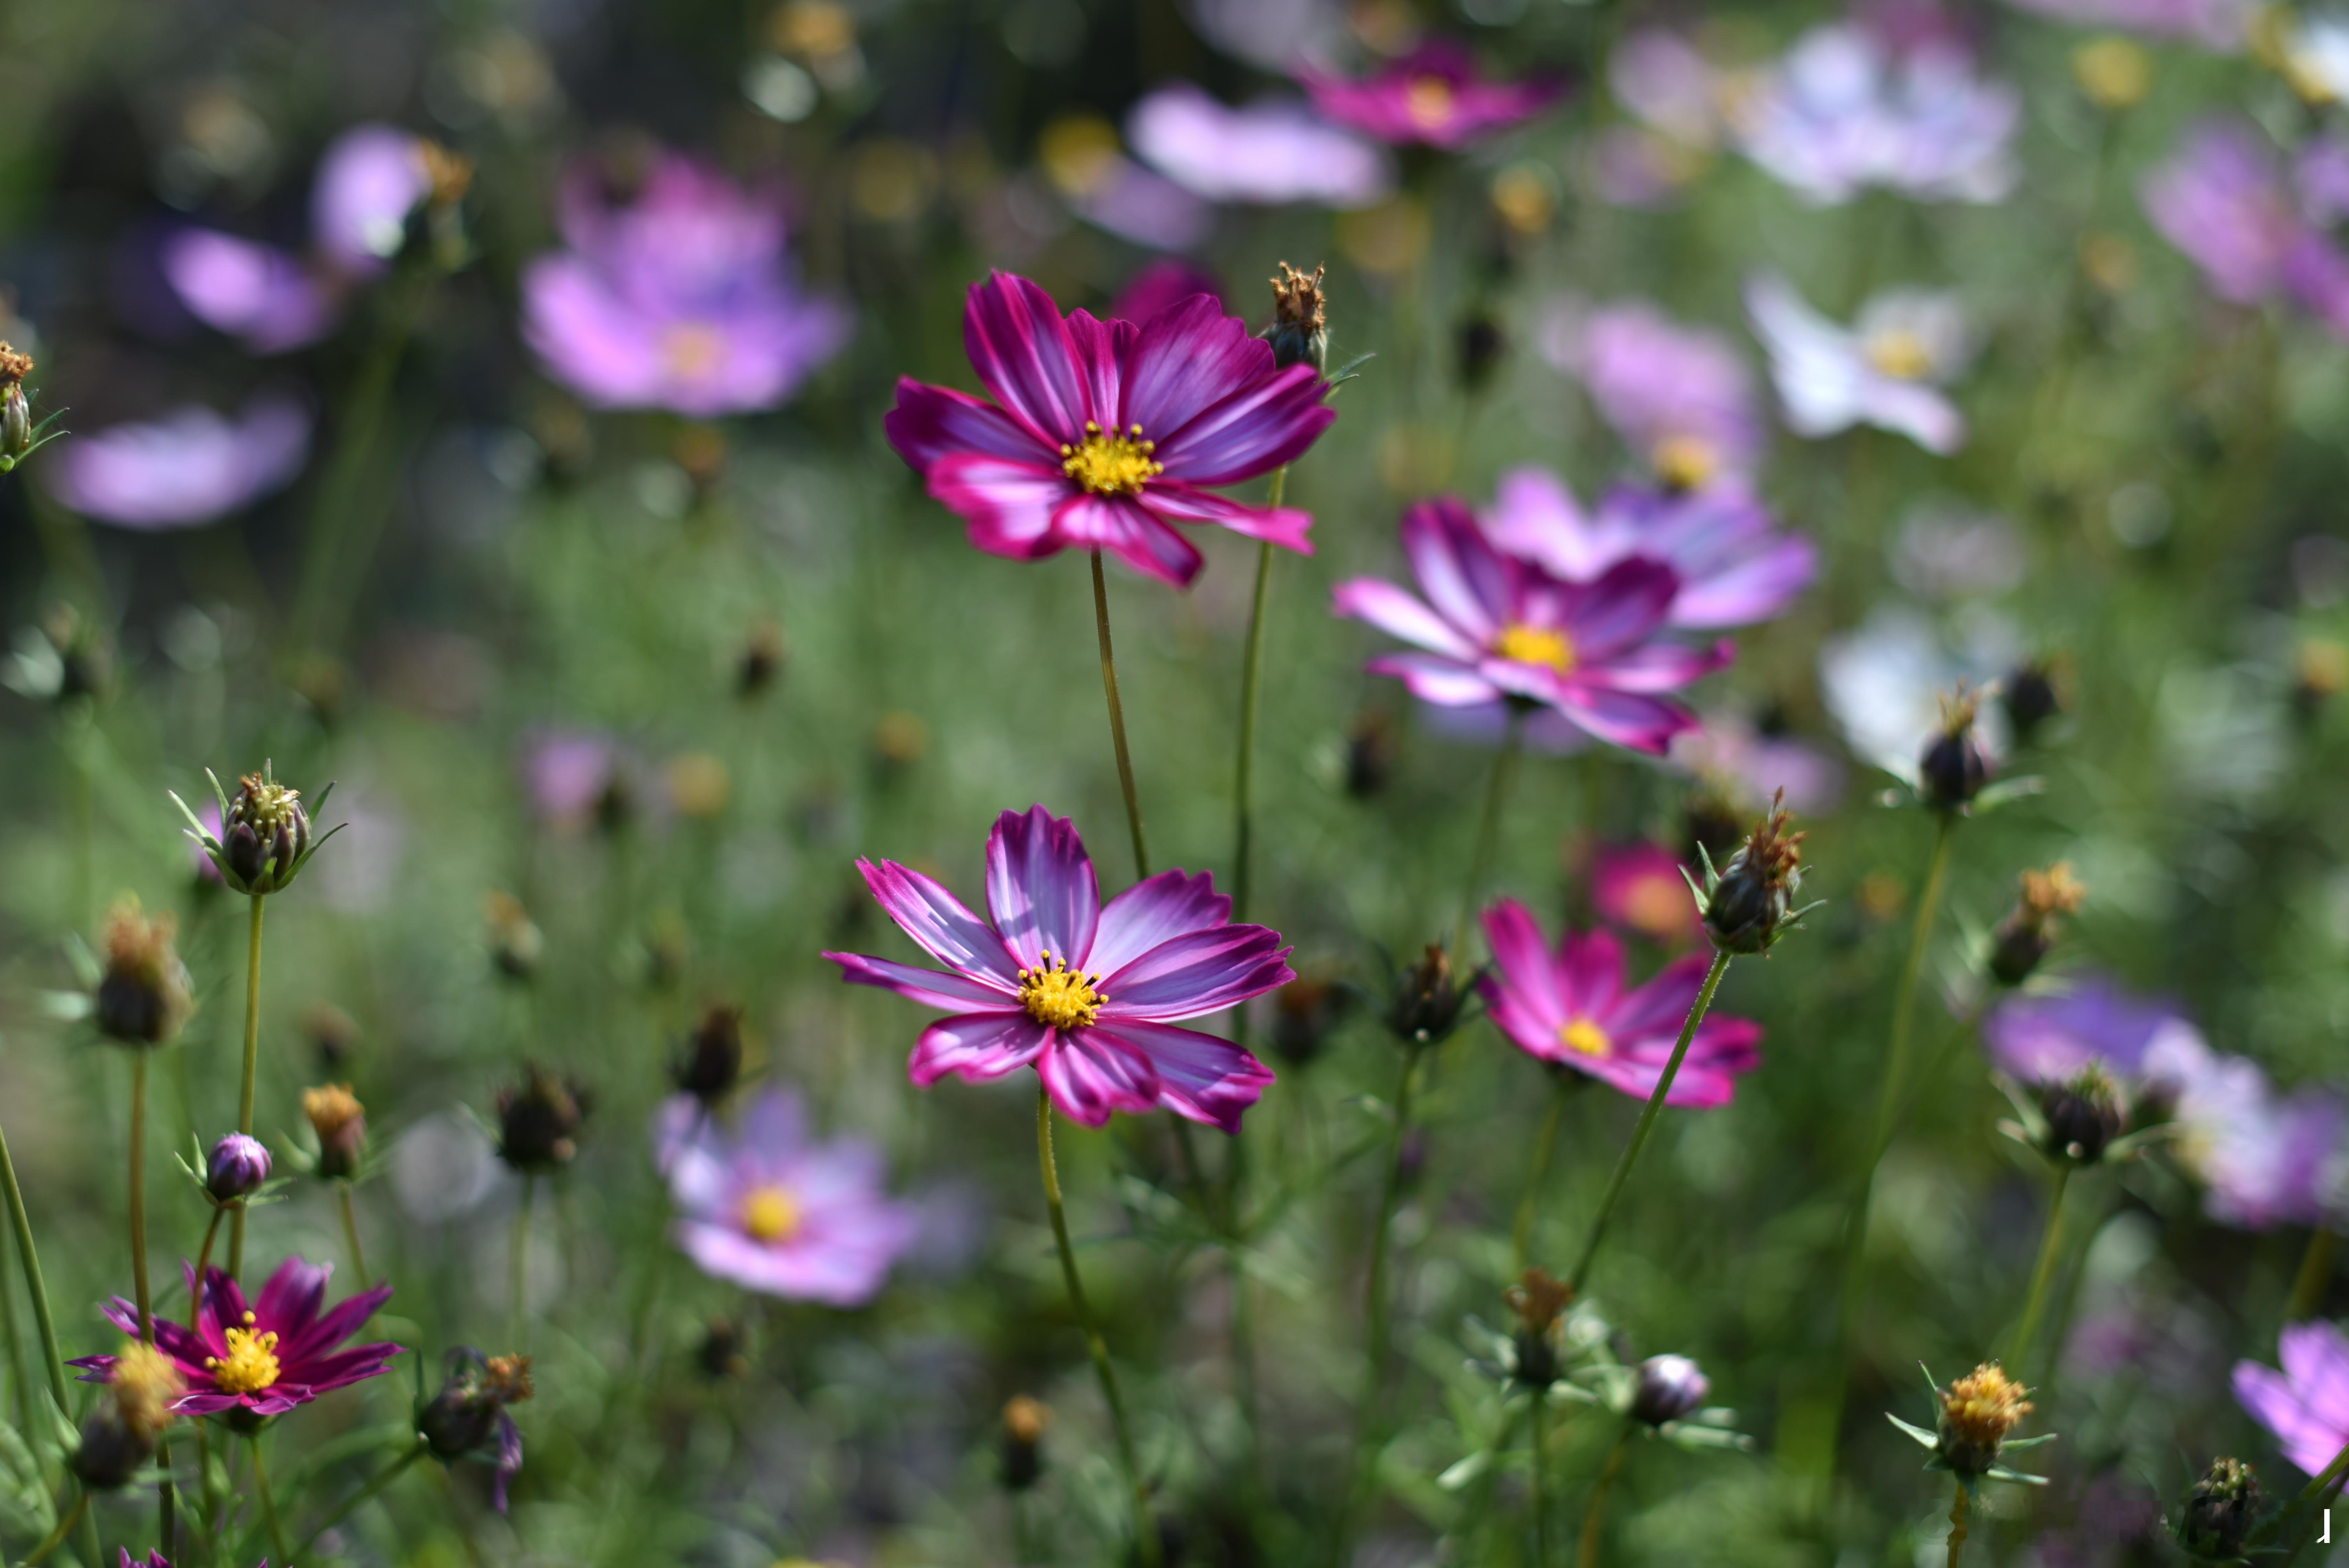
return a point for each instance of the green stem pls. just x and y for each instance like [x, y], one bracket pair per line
[518, 1267]
[1146, 1530]
[252, 1070]
[1957, 1526]
[1375, 1312]
[344, 519]
[1251, 687]
[1595, 1514]
[342, 1509]
[73, 1516]
[2315, 1274]
[1648, 1114]
[1521, 1234]
[351, 1233]
[20, 1371]
[2043, 1270]
[43, 1322]
[1117, 721]
[1488, 822]
[203, 1263]
[1539, 1420]
[139, 1194]
[268, 1503]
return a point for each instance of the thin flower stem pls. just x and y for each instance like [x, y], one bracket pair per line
[252, 1070]
[342, 1509]
[1594, 1515]
[1957, 1526]
[268, 1503]
[204, 1263]
[1146, 1530]
[351, 1233]
[1251, 688]
[1647, 1123]
[518, 1266]
[1488, 822]
[2315, 1274]
[138, 1195]
[1117, 721]
[1521, 1234]
[20, 1371]
[42, 1321]
[73, 1516]
[1539, 1418]
[2035, 1304]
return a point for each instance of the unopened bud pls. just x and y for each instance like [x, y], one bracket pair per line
[144, 996]
[238, 1166]
[15, 424]
[332, 1033]
[2221, 1510]
[538, 1122]
[515, 943]
[2031, 694]
[1304, 1011]
[1749, 903]
[722, 1353]
[1537, 1299]
[761, 660]
[2031, 928]
[1369, 754]
[1977, 1413]
[340, 1122]
[119, 1436]
[1025, 1421]
[2083, 1115]
[264, 835]
[1669, 1388]
[1300, 333]
[710, 1062]
[1427, 999]
[1952, 770]
[1480, 346]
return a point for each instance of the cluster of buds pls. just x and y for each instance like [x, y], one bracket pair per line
[264, 839]
[1427, 999]
[1974, 1422]
[1025, 1421]
[1300, 333]
[119, 1436]
[1954, 769]
[2031, 928]
[1749, 903]
[709, 1063]
[538, 1121]
[2221, 1512]
[467, 1419]
[144, 995]
[1538, 1300]
[339, 1120]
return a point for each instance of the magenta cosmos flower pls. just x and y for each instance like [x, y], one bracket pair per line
[2307, 1405]
[1103, 433]
[763, 1204]
[264, 1356]
[681, 298]
[1085, 993]
[1498, 630]
[1435, 96]
[1644, 888]
[1572, 1009]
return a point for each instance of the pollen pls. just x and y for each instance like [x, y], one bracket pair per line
[1900, 353]
[1544, 646]
[1985, 1406]
[690, 349]
[251, 1364]
[1107, 463]
[1585, 1039]
[1058, 997]
[1685, 463]
[771, 1215]
[1428, 100]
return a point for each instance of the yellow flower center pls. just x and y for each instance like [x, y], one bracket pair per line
[1900, 353]
[690, 349]
[1428, 100]
[1058, 996]
[251, 1364]
[1543, 645]
[1110, 464]
[1685, 463]
[769, 1215]
[1658, 906]
[1585, 1039]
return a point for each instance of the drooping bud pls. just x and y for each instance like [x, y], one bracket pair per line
[2083, 1114]
[761, 660]
[1537, 1299]
[144, 996]
[238, 1166]
[2031, 928]
[1427, 1000]
[710, 1062]
[1304, 1011]
[264, 835]
[2033, 695]
[119, 1436]
[1979, 1411]
[515, 943]
[1025, 1421]
[2221, 1512]
[1749, 902]
[1952, 770]
[466, 1419]
[340, 1121]
[1670, 1386]
[538, 1121]
[1300, 333]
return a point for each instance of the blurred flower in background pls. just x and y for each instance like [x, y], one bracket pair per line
[1681, 397]
[1436, 95]
[2305, 1405]
[2213, 24]
[1264, 154]
[1679, 102]
[188, 467]
[1887, 369]
[1642, 888]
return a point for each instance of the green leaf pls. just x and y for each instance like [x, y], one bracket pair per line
[1930, 1440]
[2006, 792]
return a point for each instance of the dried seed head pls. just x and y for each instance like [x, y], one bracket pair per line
[144, 996]
[1300, 333]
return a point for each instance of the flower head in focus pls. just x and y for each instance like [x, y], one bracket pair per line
[1749, 902]
[20, 435]
[189, 468]
[1105, 434]
[1300, 333]
[1975, 1417]
[1435, 96]
[1086, 993]
[263, 840]
[1888, 369]
[2221, 1512]
[467, 1419]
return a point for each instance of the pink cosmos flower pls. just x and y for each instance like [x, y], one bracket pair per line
[679, 299]
[762, 1204]
[1085, 993]
[1103, 433]
[1570, 1008]
[2307, 1405]
[1499, 630]
[1681, 398]
[1639, 887]
[1264, 154]
[265, 1356]
[1749, 764]
[188, 467]
[2221, 199]
[1436, 95]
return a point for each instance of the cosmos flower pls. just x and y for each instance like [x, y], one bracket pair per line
[1161, 285]
[186, 469]
[1640, 888]
[681, 298]
[1844, 111]
[1887, 369]
[2264, 1159]
[265, 1356]
[1436, 95]
[1571, 1008]
[1104, 434]
[1500, 630]
[2052, 1040]
[1681, 398]
[1266, 154]
[2213, 24]
[572, 775]
[1736, 566]
[764, 1205]
[2222, 199]
[2305, 1405]
[1085, 993]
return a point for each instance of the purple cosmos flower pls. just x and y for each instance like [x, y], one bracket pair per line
[1115, 192]
[1571, 1008]
[1886, 370]
[1676, 96]
[1267, 154]
[1435, 96]
[1749, 764]
[1734, 566]
[1641, 887]
[2052, 1040]
[1103, 433]
[369, 182]
[1844, 111]
[2307, 1405]
[1085, 993]
[185, 469]
[1500, 630]
[1680, 397]
[265, 1356]
[2263, 1159]
[252, 292]
[764, 1205]
[2221, 199]
[1162, 286]
[2213, 24]
[680, 299]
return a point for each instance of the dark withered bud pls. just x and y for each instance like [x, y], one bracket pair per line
[761, 660]
[1952, 770]
[1427, 999]
[710, 1061]
[1370, 753]
[1749, 902]
[723, 1351]
[2221, 1512]
[1537, 1300]
[1300, 333]
[1481, 347]
[1669, 1388]
[2031, 928]
[119, 1436]
[264, 835]
[339, 1120]
[1304, 1011]
[144, 996]
[515, 943]
[333, 1034]
[460, 1421]
[238, 1165]
[2031, 694]
[538, 1121]
[2083, 1114]
[1025, 1421]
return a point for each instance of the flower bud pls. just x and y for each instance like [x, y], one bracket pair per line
[1670, 1386]
[538, 1121]
[761, 660]
[515, 943]
[144, 996]
[2031, 694]
[1537, 1299]
[722, 1352]
[466, 1419]
[2319, 671]
[1304, 1011]
[238, 1166]
[332, 1033]
[1952, 770]
[2083, 1115]
[2221, 1512]
[1750, 902]
[1369, 754]
[340, 1121]
[1427, 1001]
[711, 1060]
[2030, 928]
[1025, 1421]
[15, 417]
[1480, 346]
[264, 835]
[119, 1436]
[1979, 1411]
[1300, 333]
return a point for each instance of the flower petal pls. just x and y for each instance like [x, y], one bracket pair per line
[1198, 972]
[1432, 677]
[976, 1047]
[1187, 358]
[935, 919]
[1619, 609]
[289, 1301]
[931, 987]
[1154, 911]
[1283, 525]
[1127, 529]
[929, 422]
[1007, 506]
[1101, 348]
[1025, 355]
[1200, 1077]
[1041, 891]
[1522, 958]
[1251, 431]
[1663, 666]
[1399, 614]
[1589, 971]
[1464, 577]
[1089, 1074]
[1628, 719]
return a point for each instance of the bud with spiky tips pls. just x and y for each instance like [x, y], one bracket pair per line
[1025, 1421]
[1539, 1301]
[1427, 1000]
[236, 1168]
[2031, 928]
[1669, 1388]
[2221, 1512]
[339, 1120]
[467, 1419]
[1974, 1422]
[1953, 770]
[144, 996]
[20, 435]
[264, 839]
[1300, 333]
[538, 1122]
[1749, 903]
[2084, 1114]
[711, 1063]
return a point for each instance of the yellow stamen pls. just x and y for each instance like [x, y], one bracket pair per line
[251, 1364]
[1110, 464]
[689, 349]
[1058, 996]
[1544, 646]
[769, 1215]
[1585, 1039]
[1900, 353]
[1428, 101]
[1685, 463]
